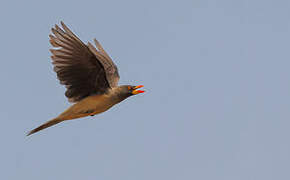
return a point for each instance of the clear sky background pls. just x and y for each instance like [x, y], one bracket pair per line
[217, 101]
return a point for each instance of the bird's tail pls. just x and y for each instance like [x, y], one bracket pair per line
[46, 125]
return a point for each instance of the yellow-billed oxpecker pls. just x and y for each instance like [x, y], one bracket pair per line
[89, 75]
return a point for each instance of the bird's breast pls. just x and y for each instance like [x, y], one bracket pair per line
[99, 103]
[89, 106]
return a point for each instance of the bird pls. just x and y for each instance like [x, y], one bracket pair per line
[89, 75]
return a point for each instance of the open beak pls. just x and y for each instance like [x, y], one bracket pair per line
[135, 91]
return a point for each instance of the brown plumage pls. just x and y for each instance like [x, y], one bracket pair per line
[89, 74]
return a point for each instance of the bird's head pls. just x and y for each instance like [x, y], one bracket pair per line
[129, 90]
[125, 91]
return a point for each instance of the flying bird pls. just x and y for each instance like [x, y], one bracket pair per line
[89, 75]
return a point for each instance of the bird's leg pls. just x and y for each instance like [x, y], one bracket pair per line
[89, 112]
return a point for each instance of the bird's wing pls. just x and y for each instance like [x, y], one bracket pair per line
[83, 69]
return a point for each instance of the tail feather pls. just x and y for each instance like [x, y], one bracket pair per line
[45, 125]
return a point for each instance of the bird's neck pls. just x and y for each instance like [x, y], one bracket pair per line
[116, 95]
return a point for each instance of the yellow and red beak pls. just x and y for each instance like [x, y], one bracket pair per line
[137, 91]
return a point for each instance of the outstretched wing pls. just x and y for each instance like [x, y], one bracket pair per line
[83, 69]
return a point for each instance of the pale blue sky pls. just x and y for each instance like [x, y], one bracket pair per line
[217, 104]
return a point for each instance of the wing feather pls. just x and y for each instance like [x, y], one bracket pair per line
[83, 69]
